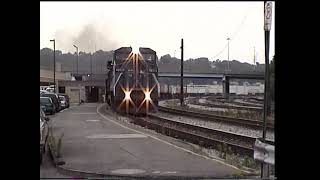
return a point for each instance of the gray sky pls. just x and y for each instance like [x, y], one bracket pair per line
[204, 26]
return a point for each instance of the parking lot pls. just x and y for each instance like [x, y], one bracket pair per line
[50, 104]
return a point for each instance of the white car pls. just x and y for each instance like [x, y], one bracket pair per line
[63, 102]
[51, 90]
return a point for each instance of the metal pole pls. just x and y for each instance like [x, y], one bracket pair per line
[91, 65]
[228, 54]
[254, 58]
[266, 93]
[181, 84]
[77, 61]
[265, 167]
[54, 64]
[77, 57]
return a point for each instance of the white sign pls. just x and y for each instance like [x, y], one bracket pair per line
[264, 152]
[267, 15]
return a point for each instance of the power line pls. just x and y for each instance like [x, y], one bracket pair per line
[235, 33]
[221, 51]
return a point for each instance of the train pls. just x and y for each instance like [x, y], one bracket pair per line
[132, 85]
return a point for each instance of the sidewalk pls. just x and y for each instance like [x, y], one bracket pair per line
[100, 144]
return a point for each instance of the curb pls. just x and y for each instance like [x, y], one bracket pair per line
[57, 161]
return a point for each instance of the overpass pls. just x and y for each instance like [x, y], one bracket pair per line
[46, 77]
[212, 75]
[225, 77]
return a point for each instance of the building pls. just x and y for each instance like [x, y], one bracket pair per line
[89, 88]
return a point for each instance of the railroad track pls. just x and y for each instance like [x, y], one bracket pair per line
[226, 142]
[255, 124]
[256, 109]
[256, 103]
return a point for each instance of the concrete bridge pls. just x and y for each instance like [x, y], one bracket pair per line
[221, 76]
[225, 77]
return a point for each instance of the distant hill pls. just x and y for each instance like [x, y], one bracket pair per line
[203, 65]
[165, 64]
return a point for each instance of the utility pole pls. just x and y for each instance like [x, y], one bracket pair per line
[228, 54]
[77, 59]
[181, 84]
[267, 27]
[91, 65]
[254, 58]
[54, 64]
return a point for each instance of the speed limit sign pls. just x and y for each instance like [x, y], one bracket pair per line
[267, 15]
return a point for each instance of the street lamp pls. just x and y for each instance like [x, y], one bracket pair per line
[54, 64]
[77, 58]
[228, 39]
[254, 58]
[91, 64]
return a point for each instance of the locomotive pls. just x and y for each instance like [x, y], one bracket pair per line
[132, 85]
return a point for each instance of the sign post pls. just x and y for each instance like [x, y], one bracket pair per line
[181, 78]
[267, 28]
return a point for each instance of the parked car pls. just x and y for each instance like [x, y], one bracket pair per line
[43, 91]
[50, 89]
[67, 99]
[44, 132]
[47, 105]
[55, 99]
[63, 102]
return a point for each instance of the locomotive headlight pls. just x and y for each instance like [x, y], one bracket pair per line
[127, 95]
[147, 96]
[135, 50]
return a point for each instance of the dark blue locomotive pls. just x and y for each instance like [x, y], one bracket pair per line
[132, 85]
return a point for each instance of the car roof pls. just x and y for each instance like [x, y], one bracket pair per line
[50, 94]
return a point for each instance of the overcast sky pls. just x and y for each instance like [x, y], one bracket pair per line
[204, 26]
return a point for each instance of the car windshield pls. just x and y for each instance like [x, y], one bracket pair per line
[45, 100]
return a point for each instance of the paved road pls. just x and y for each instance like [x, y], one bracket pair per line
[101, 144]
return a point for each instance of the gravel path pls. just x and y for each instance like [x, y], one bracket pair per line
[206, 108]
[218, 126]
[249, 103]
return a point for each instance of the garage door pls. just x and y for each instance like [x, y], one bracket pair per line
[74, 95]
